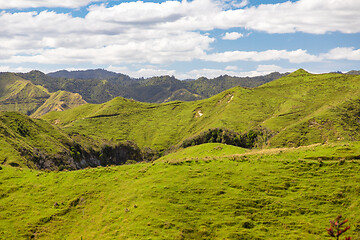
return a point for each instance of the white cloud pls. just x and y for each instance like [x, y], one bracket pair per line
[148, 32]
[212, 73]
[20, 4]
[232, 36]
[310, 16]
[266, 69]
[206, 72]
[343, 53]
[14, 69]
[148, 71]
[232, 68]
[297, 56]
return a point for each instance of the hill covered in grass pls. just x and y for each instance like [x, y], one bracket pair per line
[299, 109]
[273, 194]
[20, 95]
[36, 144]
[59, 101]
[31, 143]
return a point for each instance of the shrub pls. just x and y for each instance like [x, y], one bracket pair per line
[336, 229]
[226, 136]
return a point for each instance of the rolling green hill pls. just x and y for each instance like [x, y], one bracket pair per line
[20, 95]
[17, 94]
[31, 143]
[299, 109]
[59, 101]
[183, 95]
[36, 144]
[273, 194]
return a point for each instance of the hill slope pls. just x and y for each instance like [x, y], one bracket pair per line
[20, 95]
[31, 143]
[59, 101]
[278, 195]
[17, 94]
[298, 109]
[36, 144]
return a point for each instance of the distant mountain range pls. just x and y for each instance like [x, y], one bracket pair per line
[86, 74]
[99, 86]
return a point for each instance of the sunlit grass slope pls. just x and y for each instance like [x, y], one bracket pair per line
[298, 109]
[59, 101]
[20, 95]
[207, 150]
[17, 94]
[273, 194]
[22, 138]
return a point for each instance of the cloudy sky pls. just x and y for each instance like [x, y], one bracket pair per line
[187, 39]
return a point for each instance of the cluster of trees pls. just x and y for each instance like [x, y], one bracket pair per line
[225, 136]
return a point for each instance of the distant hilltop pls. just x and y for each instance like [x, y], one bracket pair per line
[99, 85]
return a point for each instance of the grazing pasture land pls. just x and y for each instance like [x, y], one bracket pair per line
[288, 193]
[274, 162]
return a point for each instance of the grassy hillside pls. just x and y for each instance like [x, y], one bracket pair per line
[183, 95]
[17, 94]
[20, 95]
[210, 87]
[273, 194]
[59, 101]
[36, 144]
[298, 109]
[312, 108]
[202, 151]
[29, 142]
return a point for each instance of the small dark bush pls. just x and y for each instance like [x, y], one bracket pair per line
[248, 225]
[13, 164]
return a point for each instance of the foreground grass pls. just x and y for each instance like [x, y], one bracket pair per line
[204, 151]
[279, 194]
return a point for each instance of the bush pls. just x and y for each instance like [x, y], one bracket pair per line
[336, 230]
[226, 136]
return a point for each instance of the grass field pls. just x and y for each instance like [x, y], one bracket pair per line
[288, 193]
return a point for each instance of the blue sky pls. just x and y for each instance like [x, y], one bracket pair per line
[187, 39]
